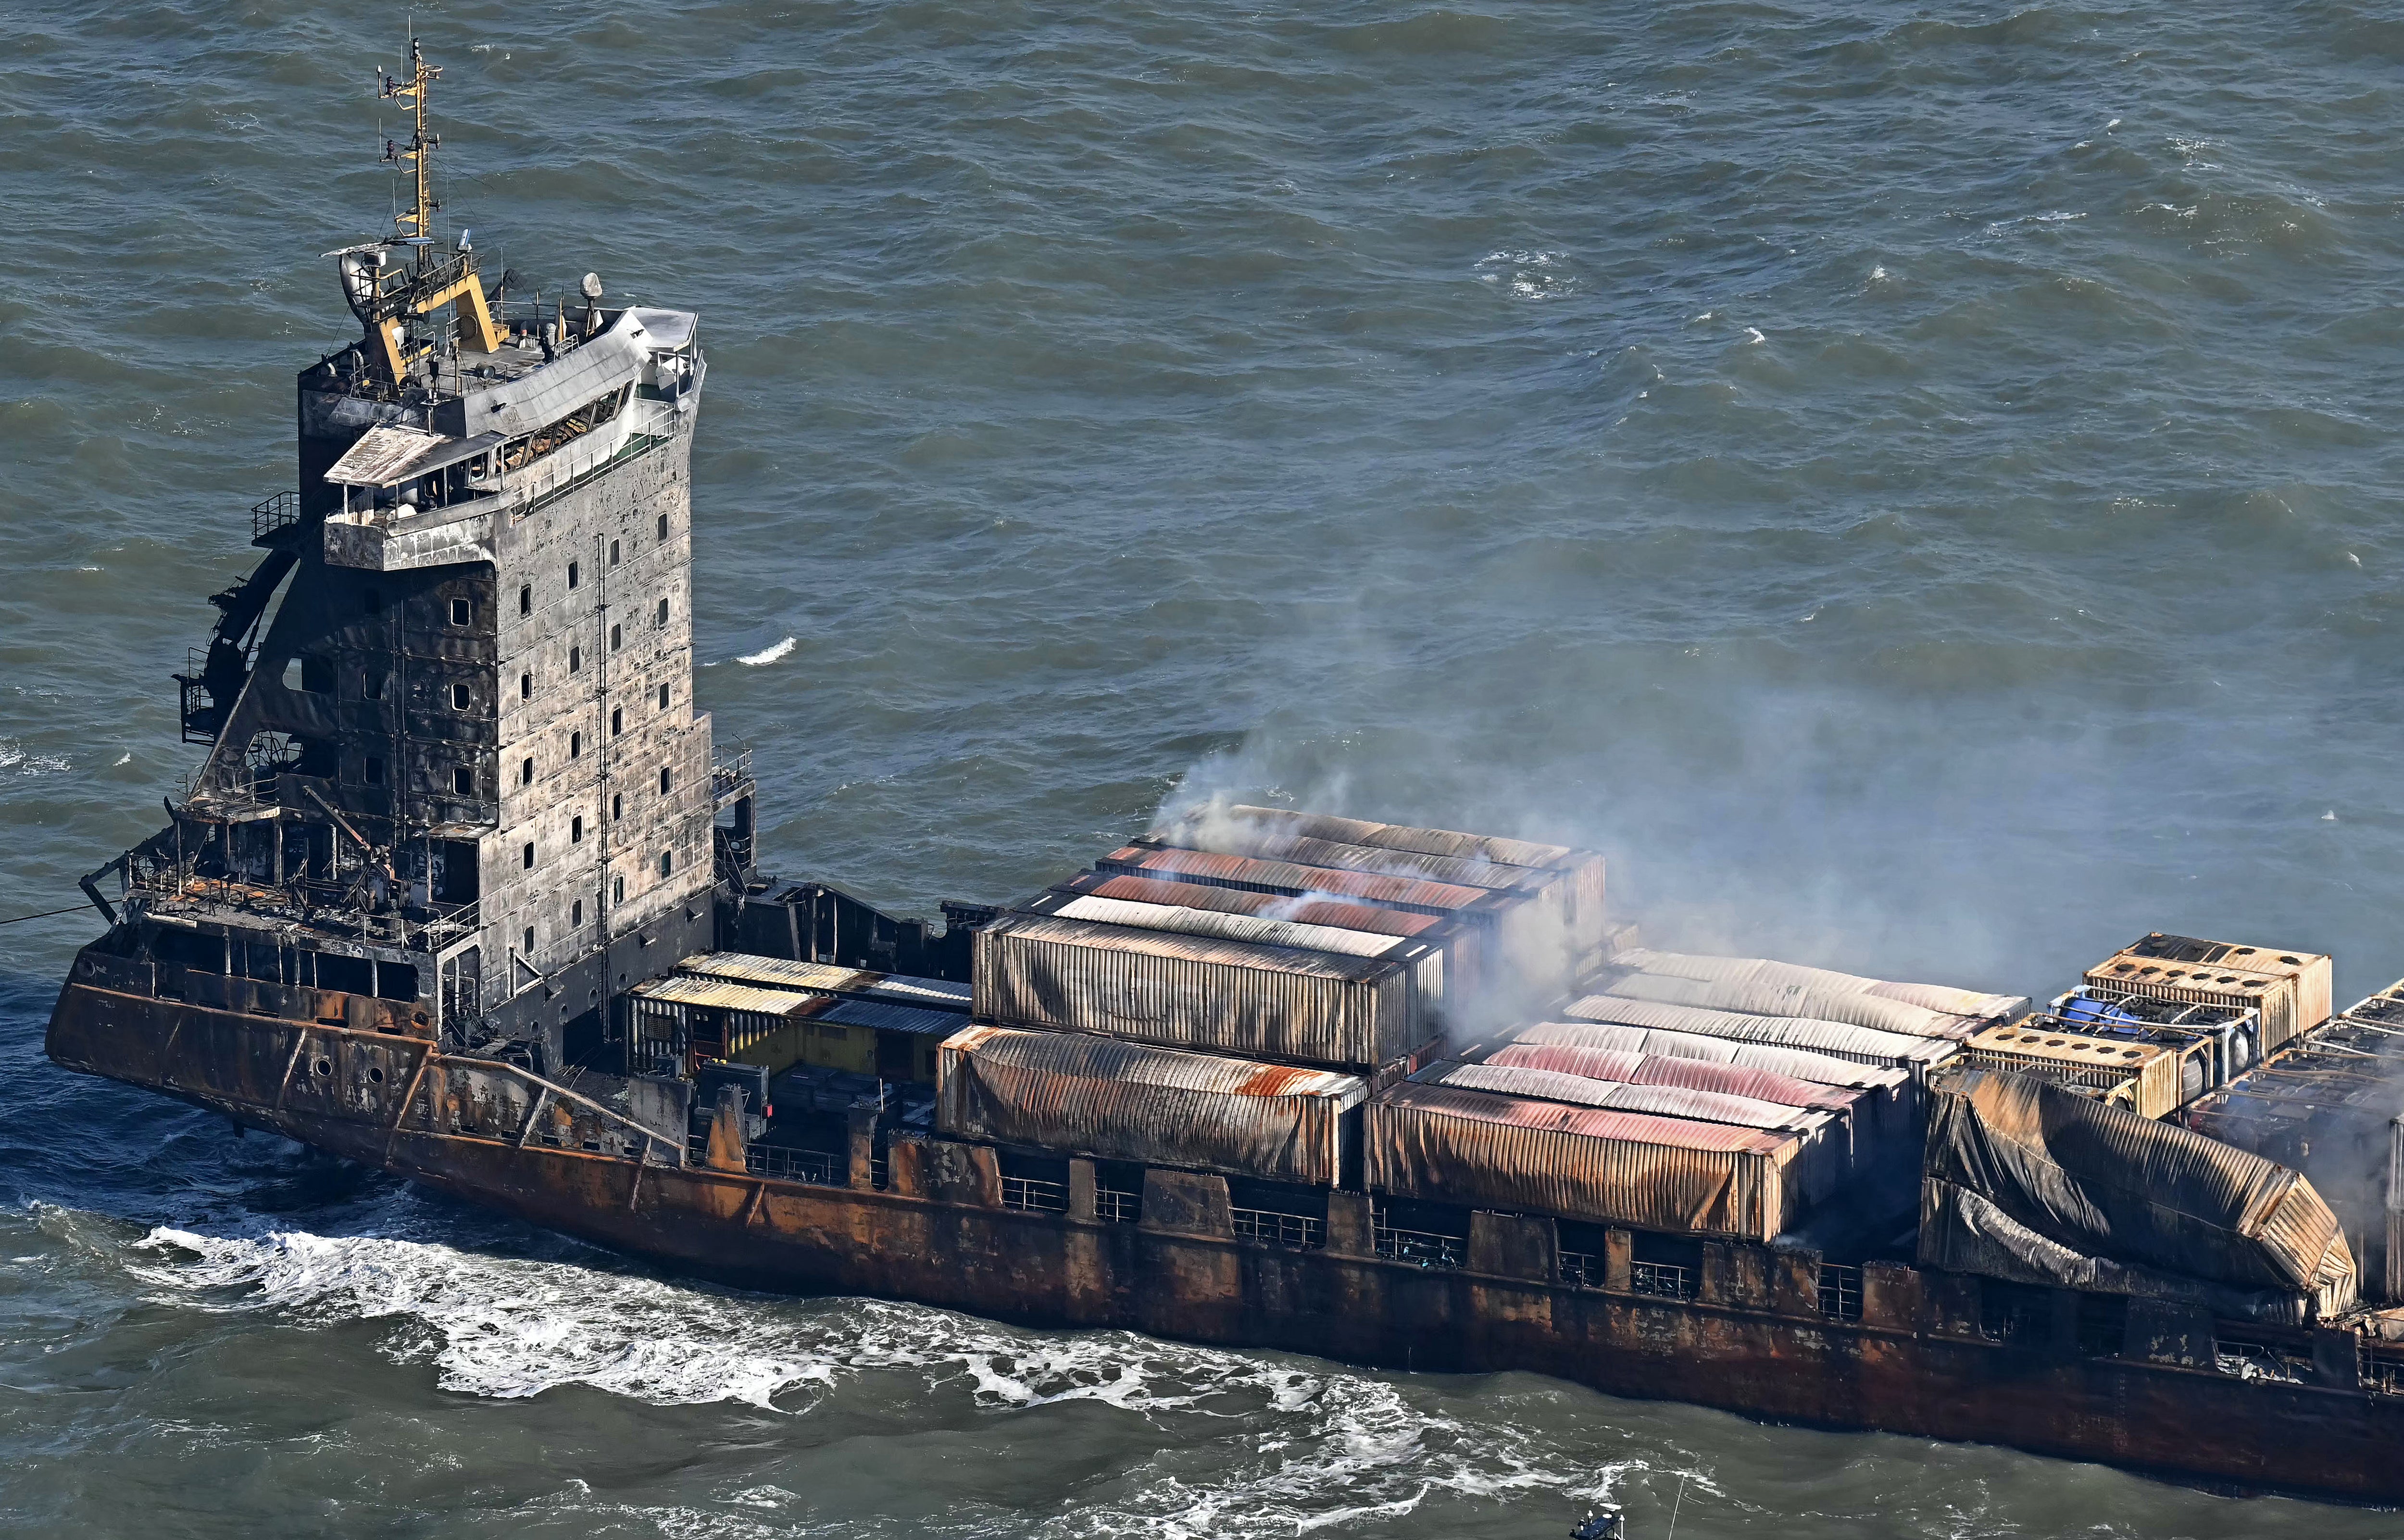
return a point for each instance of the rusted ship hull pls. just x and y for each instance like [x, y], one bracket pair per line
[1755, 1341]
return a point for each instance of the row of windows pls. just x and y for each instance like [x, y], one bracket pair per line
[617, 895]
[617, 811]
[575, 577]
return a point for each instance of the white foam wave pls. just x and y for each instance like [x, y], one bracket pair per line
[1253, 1446]
[13, 757]
[769, 654]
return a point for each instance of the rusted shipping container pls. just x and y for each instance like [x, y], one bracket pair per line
[1119, 1100]
[1214, 922]
[1583, 869]
[1579, 1163]
[1186, 991]
[2291, 988]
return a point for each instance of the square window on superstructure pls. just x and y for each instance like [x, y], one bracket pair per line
[529, 941]
[373, 771]
[526, 599]
[617, 721]
[525, 686]
[667, 862]
[571, 574]
[664, 698]
[526, 857]
[462, 697]
[576, 829]
[462, 782]
[575, 745]
[664, 612]
[525, 772]
[617, 637]
[663, 526]
[667, 781]
[613, 553]
[575, 659]
[463, 611]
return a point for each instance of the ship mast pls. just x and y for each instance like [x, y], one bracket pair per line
[416, 222]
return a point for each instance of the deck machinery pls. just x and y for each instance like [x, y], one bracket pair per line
[461, 889]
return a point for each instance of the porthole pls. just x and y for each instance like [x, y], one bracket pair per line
[324, 1066]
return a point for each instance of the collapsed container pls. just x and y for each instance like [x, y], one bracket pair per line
[1118, 1100]
[1585, 1163]
[1944, 1000]
[2026, 1180]
[2290, 988]
[766, 973]
[1204, 992]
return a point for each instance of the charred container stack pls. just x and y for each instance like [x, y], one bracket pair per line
[1225, 994]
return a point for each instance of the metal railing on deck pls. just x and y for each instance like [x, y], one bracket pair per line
[274, 511]
[1661, 1279]
[1841, 1291]
[1300, 1231]
[1117, 1206]
[1582, 1270]
[1033, 1195]
[1424, 1247]
[782, 1163]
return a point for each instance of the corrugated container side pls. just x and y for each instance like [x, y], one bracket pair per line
[1123, 1102]
[1191, 992]
[1211, 922]
[1487, 1152]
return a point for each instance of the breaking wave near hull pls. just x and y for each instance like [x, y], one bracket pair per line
[1215, 1443]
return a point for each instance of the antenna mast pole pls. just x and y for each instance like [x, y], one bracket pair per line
[417, 223]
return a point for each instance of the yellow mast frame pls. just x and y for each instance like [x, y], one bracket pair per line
[416, 222]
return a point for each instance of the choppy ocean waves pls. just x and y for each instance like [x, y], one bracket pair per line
[1237, 1444]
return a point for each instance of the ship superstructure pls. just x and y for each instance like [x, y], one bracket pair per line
[456, 779]
[460, 890]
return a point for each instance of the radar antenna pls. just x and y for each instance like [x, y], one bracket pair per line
[416, 222]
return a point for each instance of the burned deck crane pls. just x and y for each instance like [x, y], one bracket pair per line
[460, 890]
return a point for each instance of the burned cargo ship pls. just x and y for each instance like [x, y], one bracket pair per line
[462, 890]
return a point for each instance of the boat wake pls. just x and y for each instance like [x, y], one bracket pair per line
[1228, 1444]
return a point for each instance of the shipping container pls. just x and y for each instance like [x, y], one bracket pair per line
[1800, 1063]
[1623, 1095]
[2215, 1042]
[1289, 880]
[1641, 1069]
[1583, 869]
[1462, 939]
[1213, 922]
[2290, 988]
[1188, 991]
[1112, 1099]
[1538, 919]
[1844, 1040]
[1942, 999]
[2142, 1077]
[1747, 997]
[1484, 1151]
